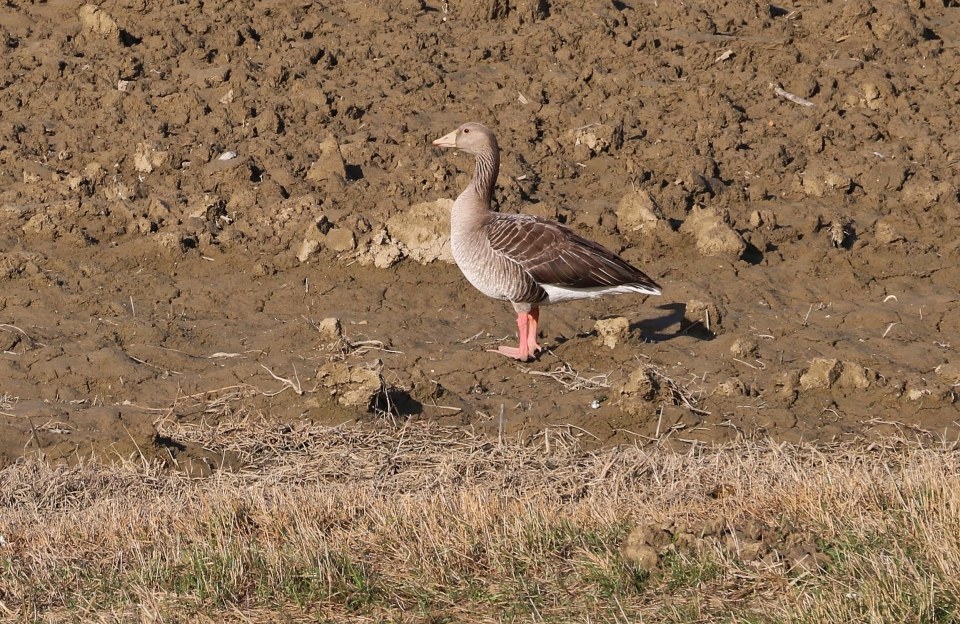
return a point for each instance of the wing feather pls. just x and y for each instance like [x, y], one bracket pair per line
[553, 254]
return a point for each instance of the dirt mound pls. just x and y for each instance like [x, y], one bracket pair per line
[187, 189]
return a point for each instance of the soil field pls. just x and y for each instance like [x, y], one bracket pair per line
[192, 192]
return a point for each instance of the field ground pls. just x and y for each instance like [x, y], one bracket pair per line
[240, 379]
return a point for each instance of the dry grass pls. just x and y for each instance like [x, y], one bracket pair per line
[428, 524]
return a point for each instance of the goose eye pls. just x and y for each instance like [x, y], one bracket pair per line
[466, 130]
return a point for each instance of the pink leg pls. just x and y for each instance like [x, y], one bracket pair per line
[532, 335]
[522, 352]
[527, 326]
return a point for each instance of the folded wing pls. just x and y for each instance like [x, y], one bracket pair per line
[555, 255]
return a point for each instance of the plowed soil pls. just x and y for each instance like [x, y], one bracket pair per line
[187, 190]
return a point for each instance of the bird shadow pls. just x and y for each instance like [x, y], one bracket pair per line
[673, 323]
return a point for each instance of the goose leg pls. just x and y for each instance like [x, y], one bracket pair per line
[527, 326]
[522, 352]
[532, 331]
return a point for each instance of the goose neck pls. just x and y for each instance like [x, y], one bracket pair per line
[485, 175]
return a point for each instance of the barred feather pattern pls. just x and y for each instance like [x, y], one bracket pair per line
[551, 254]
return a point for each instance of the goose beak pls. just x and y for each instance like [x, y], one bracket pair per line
[448, 140]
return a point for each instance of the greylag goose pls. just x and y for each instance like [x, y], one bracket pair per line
[524, 259]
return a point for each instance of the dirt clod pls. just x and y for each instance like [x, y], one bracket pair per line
[423, 231]
[638, 212]
[855, 376]
[638, 390]
[96, 20]
[886, 232]
[713, 235]
[612, 331]
[744, 346]
[950, 372]
[822, 373]
[330, 330]
[352, 386]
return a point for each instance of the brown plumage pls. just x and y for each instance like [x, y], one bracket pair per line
[524, 259]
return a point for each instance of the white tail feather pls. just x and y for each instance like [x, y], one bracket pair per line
[556, 294]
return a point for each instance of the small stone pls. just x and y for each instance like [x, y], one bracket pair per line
[330, 330]
[821, 374]
[764, 218]
[775, 420]
[75, 181]
[612, 331]
[884, 176]
[753, 529]
[120, 191]
[351, 386]
[637, 211]
[241, 200]
[713, 236]
[169, 240]
[730, 388]
[41, 224]
[885, 232]
[595, 139]
[314, 237]
[34, 172]
[704, 312]
[381, 251]
[141, 225]
[819, 179]
[158, 210]
[752, 551]
[925, 191]
[146, 158]
[94, 172]
[787, 382]
[711, 526]
[307, 249]
[641, 556]
[387, 256]
[804, 559]
[745, 346]
[96, 20]
[329, 166]
[950, 371]
[263, 269]
[915, 394]
[651, 534]
[854, 376]
[720, 240]
[640, 547]
[423, 230]
[340, 240]
[638, 390]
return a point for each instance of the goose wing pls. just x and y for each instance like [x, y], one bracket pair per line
[555, 255]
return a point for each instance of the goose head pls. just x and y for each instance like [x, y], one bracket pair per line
[471, 137]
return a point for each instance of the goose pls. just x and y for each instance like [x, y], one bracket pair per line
[523, 259]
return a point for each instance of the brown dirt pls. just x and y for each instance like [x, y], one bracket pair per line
[142, 276]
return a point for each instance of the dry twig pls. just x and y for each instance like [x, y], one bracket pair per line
[570, 379]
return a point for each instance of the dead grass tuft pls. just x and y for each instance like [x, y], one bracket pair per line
[444, 525]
